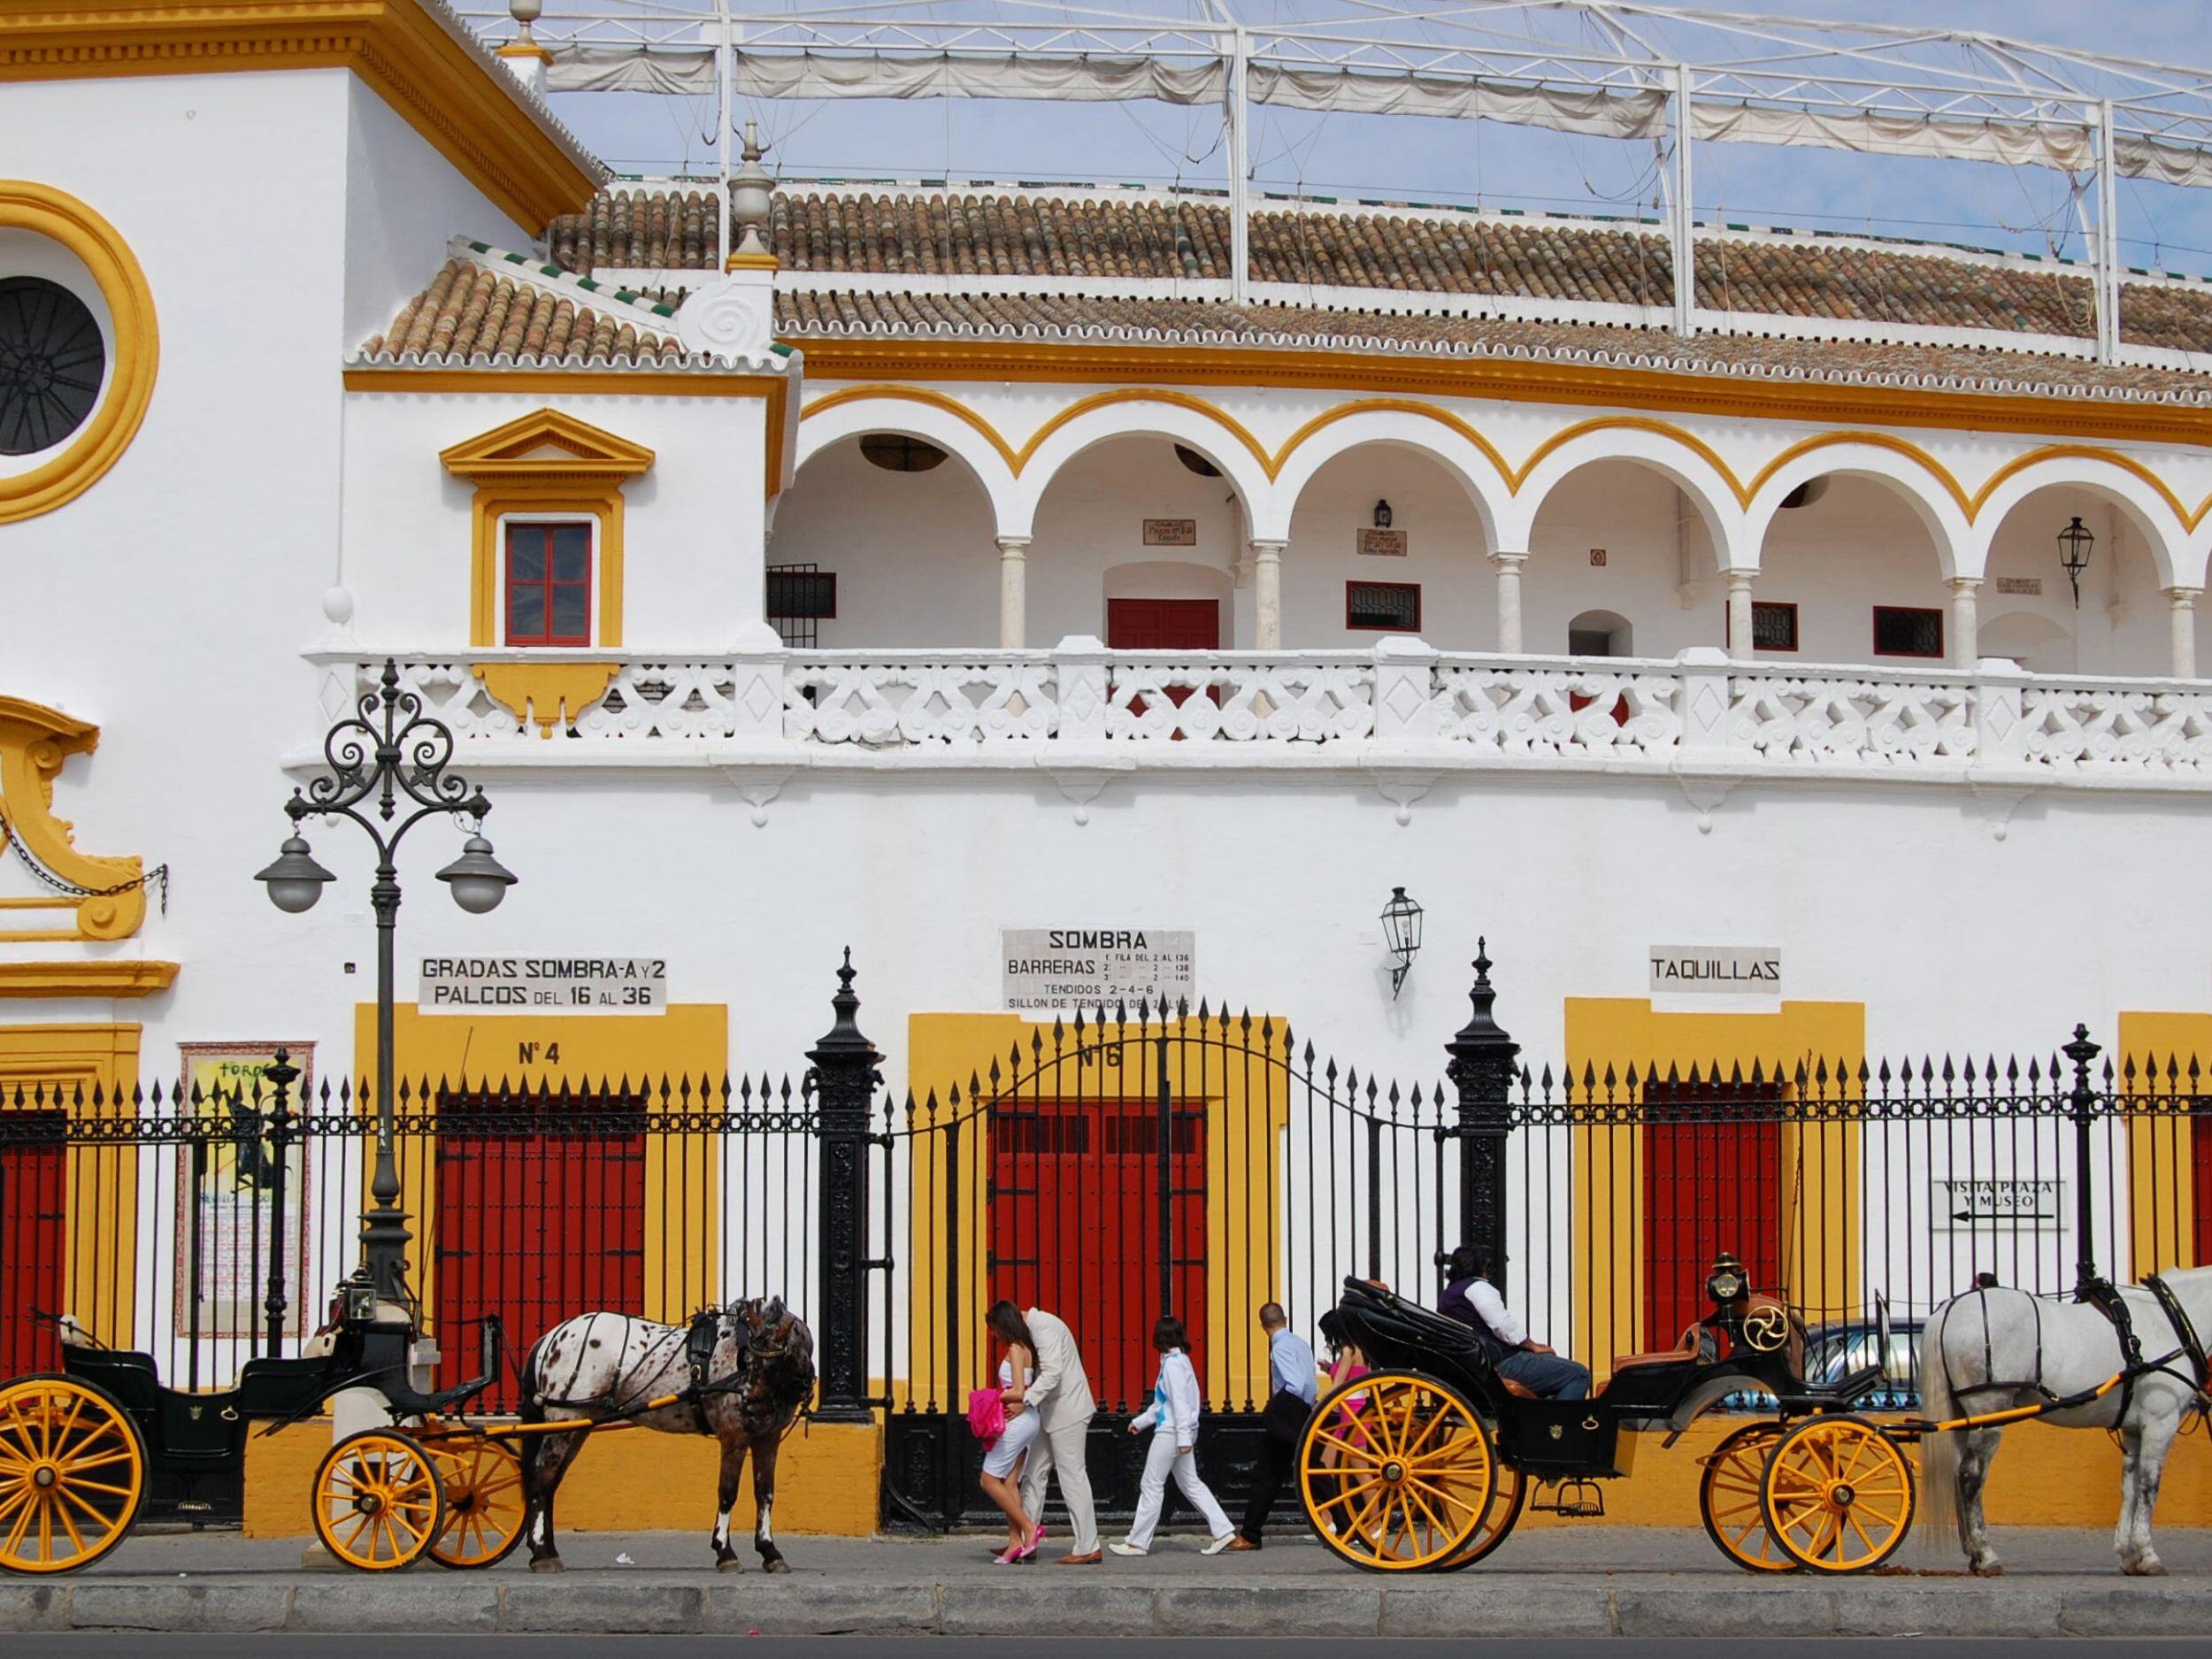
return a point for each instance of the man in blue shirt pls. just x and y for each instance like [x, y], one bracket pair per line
[1293, 1386]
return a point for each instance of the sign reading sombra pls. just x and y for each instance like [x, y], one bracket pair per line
[1754, 969]
[1047, 969]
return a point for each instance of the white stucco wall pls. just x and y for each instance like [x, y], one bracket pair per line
[403, 202]
[692, 538]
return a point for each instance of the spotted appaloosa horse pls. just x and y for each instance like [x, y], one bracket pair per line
[1991, 1349]
[748, 1372]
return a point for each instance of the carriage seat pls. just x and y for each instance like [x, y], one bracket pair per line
[1686, 1349]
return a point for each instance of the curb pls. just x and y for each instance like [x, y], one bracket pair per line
[1549, 1605]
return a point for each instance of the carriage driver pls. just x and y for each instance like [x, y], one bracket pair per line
[1472, 1300]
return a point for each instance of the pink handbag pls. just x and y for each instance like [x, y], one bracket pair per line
[987, 1414]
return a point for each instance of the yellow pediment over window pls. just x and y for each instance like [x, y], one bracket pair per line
[545, 443]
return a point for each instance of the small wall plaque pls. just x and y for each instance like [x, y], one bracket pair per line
[1170, 533]
[1597, 558]
[2020, 585]
[1385, 544]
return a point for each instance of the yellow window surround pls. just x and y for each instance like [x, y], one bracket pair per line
[546, 462]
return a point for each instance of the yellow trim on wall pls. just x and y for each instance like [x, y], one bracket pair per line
[94, 977]
[1819, 1233]
[471, 112]
[2161, 1146]
[1514, 476]
[133, 336]
[513, 474]
[683, 1220]
[99, 1274]
[35, 742]
[1511, 381]
[546, 694]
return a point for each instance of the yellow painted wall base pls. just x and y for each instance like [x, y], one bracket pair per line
[827, 1481]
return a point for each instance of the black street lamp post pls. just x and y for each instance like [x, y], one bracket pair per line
[388, 758]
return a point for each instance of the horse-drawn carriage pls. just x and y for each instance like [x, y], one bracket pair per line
[81, 1449]
[1428, 1460]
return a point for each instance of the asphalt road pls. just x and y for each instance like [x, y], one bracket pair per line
[173, 1647]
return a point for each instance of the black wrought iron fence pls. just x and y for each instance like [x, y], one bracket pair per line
[1111, 1166]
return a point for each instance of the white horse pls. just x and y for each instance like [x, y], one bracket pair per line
[1992, 1349]
[743, 1382]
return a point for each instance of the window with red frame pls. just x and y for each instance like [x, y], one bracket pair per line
[549, 584]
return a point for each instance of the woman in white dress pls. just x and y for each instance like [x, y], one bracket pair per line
[1002, 1463]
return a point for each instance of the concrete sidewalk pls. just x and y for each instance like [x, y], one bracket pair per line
[1591, 1581]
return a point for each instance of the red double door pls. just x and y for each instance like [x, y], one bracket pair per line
[538, 1220]
[1163, 624]
[1076, 1208]
[1712, 1183]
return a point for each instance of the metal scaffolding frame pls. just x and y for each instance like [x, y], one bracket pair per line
[1616, 68]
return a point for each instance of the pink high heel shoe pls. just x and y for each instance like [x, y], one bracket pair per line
[1035, 1539]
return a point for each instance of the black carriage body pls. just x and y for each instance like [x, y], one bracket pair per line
[196, 1442]
[1579, 1439]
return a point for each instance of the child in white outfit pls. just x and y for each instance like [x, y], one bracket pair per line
[1172, 1417]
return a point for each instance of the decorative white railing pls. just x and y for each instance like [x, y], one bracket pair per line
[1398, 703]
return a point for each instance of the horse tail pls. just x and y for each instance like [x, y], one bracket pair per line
[1937, 1525]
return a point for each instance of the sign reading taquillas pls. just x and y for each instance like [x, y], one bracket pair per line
[1755, 970]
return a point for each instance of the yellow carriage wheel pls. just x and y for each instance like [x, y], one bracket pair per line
[1837, 1494]
[1395, 1471]
[1728, 1499]
[482, 1479]
[72, 1474]
[378, 1503]
[1506, 1504]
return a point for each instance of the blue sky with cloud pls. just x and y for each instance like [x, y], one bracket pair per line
[1475, 163]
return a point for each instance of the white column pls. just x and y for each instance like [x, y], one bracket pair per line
[1965, 638]
[1739, 582]
[2181, 609]
[1013, 592]
[1508, 568]
[1267, 595]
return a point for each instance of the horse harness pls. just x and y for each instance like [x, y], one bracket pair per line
[700, 1337]
[2102, 1294]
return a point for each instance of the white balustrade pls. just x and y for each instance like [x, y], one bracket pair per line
[1557, 709]
[1149, 701]
[2118, 730]
[1846, 720]
[1698, 713]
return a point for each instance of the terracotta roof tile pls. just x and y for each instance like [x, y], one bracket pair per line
[471, 314]
[959, 233]
[1068, 317]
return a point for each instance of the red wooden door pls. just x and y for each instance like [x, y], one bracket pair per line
[34, 1238]
[1163, 624]
[1712, 1183]
[1075, 1226]
[538, 1220]
[2200, 1184]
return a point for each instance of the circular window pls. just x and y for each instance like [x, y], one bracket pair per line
[52, 362]
[895, 452]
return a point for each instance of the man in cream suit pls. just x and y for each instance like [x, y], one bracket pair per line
[1061, 1395]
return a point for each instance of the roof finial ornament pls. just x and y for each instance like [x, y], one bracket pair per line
[523, 54]
[752, 195]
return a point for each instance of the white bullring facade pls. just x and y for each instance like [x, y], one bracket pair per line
[1165, 596]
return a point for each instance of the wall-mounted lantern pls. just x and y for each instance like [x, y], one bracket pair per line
[2075, 545]
[1382, 515]
[1401, 928]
